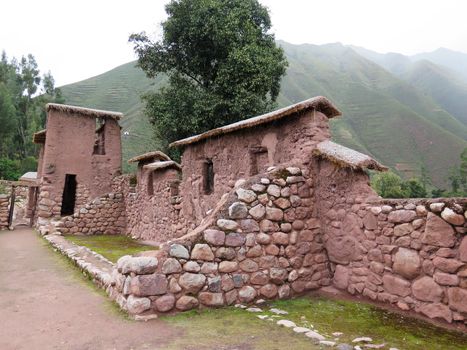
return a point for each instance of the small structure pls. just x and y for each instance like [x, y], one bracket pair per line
[80, 154]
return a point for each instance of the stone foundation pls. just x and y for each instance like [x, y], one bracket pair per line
[261, 242]
[4, 201]
[104, 215]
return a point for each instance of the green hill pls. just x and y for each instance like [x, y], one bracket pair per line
[383, 115]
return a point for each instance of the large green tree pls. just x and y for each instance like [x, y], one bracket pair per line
[23, 95]
[222, 62]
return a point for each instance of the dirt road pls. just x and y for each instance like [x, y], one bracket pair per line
[45, 304]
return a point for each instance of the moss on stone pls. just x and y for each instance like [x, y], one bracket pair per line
[111, 247]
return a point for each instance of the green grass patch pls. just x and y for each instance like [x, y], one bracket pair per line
[111, 247]
[357, 319]
[231, 328]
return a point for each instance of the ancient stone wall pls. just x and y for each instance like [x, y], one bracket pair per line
[261, 242]
[157, 216]
[410, 253]
[243, 154]
[104, 215]
[20, 191]
[4, 201]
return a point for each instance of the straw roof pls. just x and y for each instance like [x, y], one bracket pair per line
[162, 165]
[346, 157]
[39, 137]
[319, 103]
[89, 112]
[150, 156]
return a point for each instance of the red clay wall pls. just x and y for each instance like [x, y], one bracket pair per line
[69, 150]
[153, 217]
[287, 141]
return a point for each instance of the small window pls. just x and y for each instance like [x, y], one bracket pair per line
[150, 184]
[208, 176]
[99, 143]
[174, 188]
[258, 160]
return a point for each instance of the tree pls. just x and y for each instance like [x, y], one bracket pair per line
[414, 188]
[389, 185]
[463, 171]
[222, 62]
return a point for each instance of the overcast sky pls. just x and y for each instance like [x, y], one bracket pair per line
[82, 38]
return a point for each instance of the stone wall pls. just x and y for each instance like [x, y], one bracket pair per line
[260, 242]
[4, 201]
[104, 215]
[156, 217]
[409, 253]
[21, 191]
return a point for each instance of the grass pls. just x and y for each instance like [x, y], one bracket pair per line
[232, 328]
[111, 247]
[357, 319]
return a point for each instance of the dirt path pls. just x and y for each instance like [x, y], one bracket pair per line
[45, 304]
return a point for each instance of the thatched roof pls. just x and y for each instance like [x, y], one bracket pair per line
[319, 103]
[89, 112]
[150, 156]
[163, 165]
[346, 157]
[39, 137]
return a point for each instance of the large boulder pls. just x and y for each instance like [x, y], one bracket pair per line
[426, 289]
[396, 285]
[192, 282]
[146, 285]
[341, 250]
[137, 305]
[458, 299]
[438, 232]
[402, 215]
[138, 265]
[463, 250]
[186, 303]
[436, 310]
[450, 216]
[202, 252]
[341, 277]
[407, 263]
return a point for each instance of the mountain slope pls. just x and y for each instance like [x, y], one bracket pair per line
[383, 115]
[453, 60]
[437, 82]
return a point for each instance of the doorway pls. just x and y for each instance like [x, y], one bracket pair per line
[69, 195]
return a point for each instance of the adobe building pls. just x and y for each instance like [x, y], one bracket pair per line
[80, 154]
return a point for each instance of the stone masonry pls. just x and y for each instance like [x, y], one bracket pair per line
[4, 201]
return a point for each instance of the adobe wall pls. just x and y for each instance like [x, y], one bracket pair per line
[409, 253]
[69, 150]
[155, 217]
[289, 140]
[104, 215]
[4, 201]
[261, 241]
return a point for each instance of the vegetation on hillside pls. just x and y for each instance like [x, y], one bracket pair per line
[23, 95]
[383, 116]
[222, 63]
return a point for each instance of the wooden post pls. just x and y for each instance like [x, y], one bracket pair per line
[12, 207]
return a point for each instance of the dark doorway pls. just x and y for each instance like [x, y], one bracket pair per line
[69, 195]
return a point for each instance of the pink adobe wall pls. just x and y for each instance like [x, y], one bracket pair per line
[69, 150]
[288, 141]
[155, 217]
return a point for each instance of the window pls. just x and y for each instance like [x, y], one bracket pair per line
[150, 184]
[258, 159]
[208, 176]
[99, 143]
